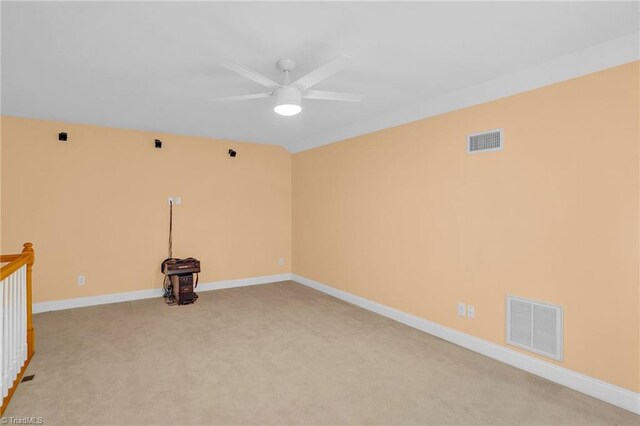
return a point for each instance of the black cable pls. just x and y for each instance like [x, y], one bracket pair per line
[166, 285]
[170, 228]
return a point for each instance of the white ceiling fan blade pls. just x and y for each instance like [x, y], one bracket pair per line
[249, 73]
[333, 96]
[241, 97]
[324, 71]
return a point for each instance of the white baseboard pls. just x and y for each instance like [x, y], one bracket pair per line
[80, 302]
[243, 282]
[596, 388]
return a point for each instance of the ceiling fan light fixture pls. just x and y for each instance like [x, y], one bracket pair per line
[287, 109]
[288, 101]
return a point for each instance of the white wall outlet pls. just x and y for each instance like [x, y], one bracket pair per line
[170, 200]
[177, 200]
[462, 309]
[281, 261]
[81, 280]
[471, 311]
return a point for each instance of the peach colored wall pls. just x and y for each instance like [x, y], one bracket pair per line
[405, 217]
[97, 206]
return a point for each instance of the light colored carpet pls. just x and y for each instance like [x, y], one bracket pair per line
[275, 354]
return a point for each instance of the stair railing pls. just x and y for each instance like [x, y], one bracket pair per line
[16, 326]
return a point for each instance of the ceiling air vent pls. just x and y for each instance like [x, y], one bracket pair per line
[485, 141]
[535, 326]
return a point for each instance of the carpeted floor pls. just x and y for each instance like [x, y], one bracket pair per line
[275, 354]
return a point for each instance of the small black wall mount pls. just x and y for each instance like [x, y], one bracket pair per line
[232, 153]
[62, 136]
[158, 143]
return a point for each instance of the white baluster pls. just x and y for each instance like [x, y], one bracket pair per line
[12, 332]
[23, 316]
[19, 321]
[3, 380]
[11, 309]
[16, 324]
[5, 340]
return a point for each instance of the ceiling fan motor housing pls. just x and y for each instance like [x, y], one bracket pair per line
[287, 95]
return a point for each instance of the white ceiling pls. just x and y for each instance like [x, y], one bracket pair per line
[152, 66]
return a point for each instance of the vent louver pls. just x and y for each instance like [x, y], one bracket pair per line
[485, 141]
[535, 326]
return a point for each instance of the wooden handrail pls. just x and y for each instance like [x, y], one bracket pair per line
[17, 261]
[27, 257]
[4, 258]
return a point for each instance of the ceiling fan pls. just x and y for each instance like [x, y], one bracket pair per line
[288, 95]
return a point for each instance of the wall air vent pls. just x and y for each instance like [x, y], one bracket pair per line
[485, 141]
[535, 326]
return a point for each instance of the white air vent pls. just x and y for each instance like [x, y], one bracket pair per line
[485, 141]
[535, 326]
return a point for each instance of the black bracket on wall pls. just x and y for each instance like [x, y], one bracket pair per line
[62, 136]
[158, 143]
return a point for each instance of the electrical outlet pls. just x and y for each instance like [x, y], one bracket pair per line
[81, 280]
[170, 200]
[281, 261]
[177, 200]
[471, 311]
[462, 309]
